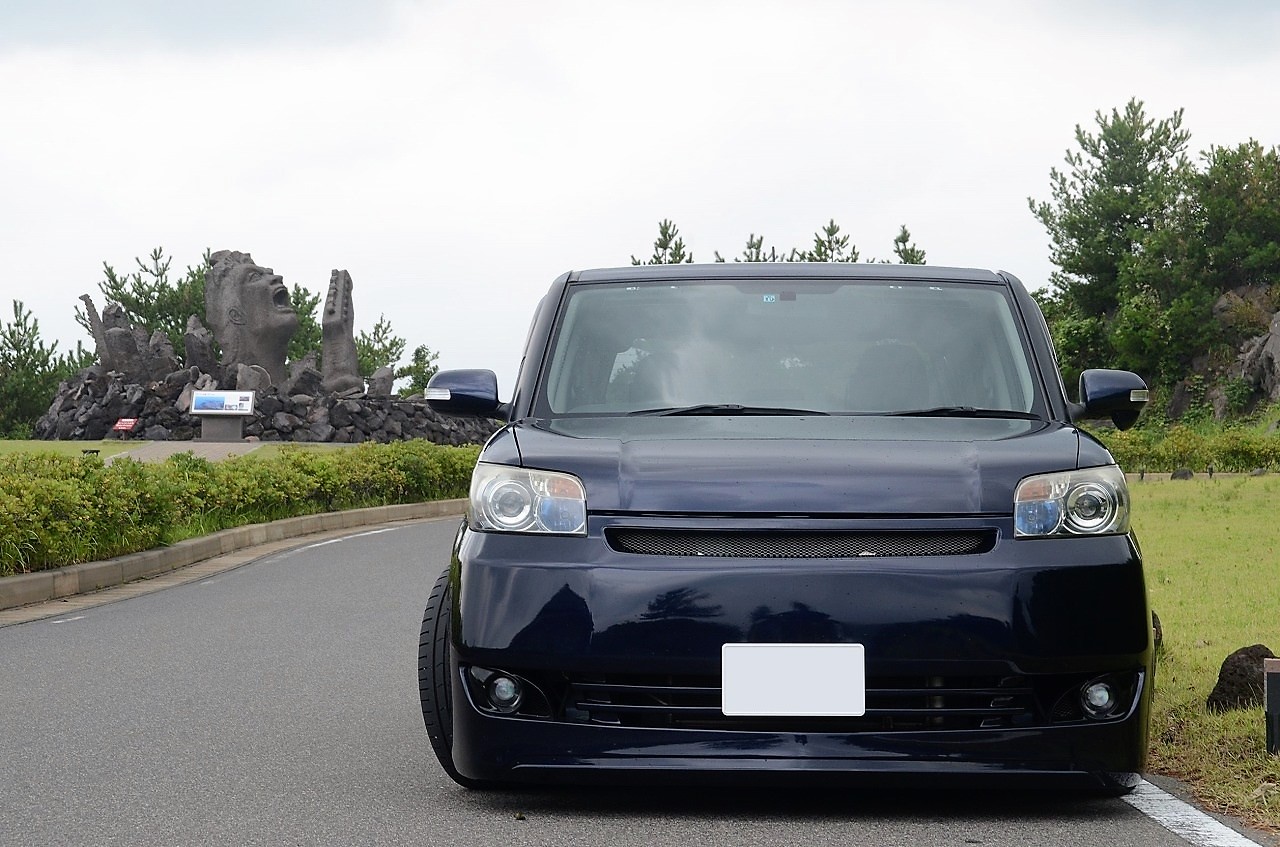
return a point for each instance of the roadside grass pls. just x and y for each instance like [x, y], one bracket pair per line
[1210, 548]
[275, 448]
[68, 448]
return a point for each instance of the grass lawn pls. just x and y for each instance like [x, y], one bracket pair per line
[1210, 548]
[272, 448]
[114, 446]
[67, 448]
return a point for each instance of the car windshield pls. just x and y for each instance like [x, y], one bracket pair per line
[787, 347]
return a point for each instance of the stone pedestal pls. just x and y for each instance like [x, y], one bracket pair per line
[219, 428]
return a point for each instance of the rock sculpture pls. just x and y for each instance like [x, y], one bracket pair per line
[198, 344]
[87, 406]
[250, 314]
[381, 381]
[340, 364]
[304, 378]
[252, 378]
[249, 310]
[126, 349]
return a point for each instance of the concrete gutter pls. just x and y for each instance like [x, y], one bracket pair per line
[42, 586]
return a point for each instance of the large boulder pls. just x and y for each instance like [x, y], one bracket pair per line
[1240, 681]
[1260, 360]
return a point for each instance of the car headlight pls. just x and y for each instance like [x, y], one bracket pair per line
[510, 499]
[1093, 501]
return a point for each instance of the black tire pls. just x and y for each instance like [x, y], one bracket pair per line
[1117, 784]
[434, 677]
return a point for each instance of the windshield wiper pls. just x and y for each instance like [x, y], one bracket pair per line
[723, 409]
[965, 412]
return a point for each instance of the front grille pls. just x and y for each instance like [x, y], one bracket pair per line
[894, 704]
[783, 544]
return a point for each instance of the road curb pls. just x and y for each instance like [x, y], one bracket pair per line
[42, 586]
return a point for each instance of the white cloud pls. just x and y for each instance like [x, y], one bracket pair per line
[456, 157]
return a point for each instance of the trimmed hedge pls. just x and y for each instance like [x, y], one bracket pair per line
[1231, 450]
[63, 510]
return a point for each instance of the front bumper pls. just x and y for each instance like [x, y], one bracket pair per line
[973, 663]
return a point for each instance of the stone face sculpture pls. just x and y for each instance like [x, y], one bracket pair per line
[250, 313]
[339, 362]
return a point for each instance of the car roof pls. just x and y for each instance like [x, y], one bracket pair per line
[787, 270]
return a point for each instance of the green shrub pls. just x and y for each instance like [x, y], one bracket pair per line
[1183, 447]
[1133, 449]
[1239, 450]
[60, 510]
[1229, 449]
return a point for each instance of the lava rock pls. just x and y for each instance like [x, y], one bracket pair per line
[1240, 680]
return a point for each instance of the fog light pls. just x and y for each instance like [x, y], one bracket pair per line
[1098, 699]
[504, 693]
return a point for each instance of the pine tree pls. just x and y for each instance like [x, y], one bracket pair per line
[668, 249]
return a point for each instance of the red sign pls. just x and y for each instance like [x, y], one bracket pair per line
[125, 425]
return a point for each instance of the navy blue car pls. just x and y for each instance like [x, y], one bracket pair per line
[768, 521]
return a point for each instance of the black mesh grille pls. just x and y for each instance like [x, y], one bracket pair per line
[798, 545]
[894, 704]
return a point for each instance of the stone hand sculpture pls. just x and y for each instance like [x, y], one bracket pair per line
[126, 349]
[250, 312]
[339, 362]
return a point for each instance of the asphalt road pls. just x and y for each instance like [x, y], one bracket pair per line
[276, 704]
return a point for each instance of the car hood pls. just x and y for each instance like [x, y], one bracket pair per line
[797, 465]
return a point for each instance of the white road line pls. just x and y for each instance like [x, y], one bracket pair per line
[1183, 819]
[342, 538]
[68, 620]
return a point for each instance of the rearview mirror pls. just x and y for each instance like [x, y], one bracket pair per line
[1120, 395]
[465, 392]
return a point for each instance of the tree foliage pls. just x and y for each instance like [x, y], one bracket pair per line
[307, 338]
[1146, 242]
[30, 372]
[422, 366]
[668, 248]
[829, 245]
[1116, 189]
[906, 250]
[1236, 216]
[151, 300]
[379, 348]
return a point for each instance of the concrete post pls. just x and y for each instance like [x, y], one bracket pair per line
[1271, 703]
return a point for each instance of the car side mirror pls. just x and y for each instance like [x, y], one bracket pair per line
[1120, 395]
[471, 393]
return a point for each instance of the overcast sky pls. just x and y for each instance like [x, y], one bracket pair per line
[456, 157]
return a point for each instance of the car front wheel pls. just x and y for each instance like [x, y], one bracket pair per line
[434, 676]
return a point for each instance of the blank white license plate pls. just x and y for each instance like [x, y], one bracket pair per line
[800, 680]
